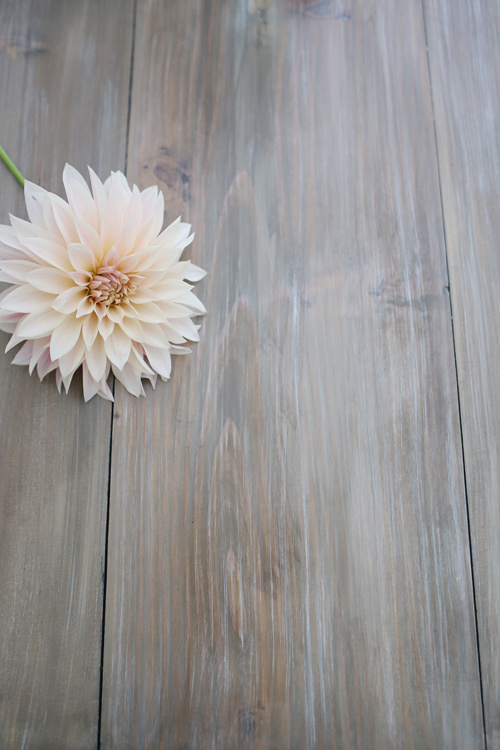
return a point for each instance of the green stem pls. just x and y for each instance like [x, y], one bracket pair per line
[10, 164]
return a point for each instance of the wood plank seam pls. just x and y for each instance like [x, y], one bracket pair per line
[459, 404]
[106, 535]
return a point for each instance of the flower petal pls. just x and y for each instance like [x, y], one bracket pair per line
[48, 279]
[160, 360]
[67, 302]
[96, 358]
[130, 379]
[64, 337]
[79, 196]
[24, 354]
[34, 195]
[26, 299]
[18, 269]
[89, 329]
[195, 273]
[90, 387]
[106, 327]
[69, 362]
[38, 324]
[65, 219]
[118, 347]
[49, 251]
[89, 237]
[85, 307]
[82, 258]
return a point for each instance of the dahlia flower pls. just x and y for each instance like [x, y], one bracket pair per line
[97, 284]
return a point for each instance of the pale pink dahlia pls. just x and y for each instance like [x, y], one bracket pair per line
[97, 283]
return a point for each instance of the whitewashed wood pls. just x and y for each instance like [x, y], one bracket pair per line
[288, 550]
[464, 57]
[64, 75]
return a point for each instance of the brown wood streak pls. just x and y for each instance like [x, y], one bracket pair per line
[63, 97]
[288, 547]
[464, 60]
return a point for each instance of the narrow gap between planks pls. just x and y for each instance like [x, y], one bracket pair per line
[464, 469]
[108, 498]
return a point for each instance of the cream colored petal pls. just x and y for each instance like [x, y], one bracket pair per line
[90, 238]
[168, 237]
[160, 360]
[73, 359]
[51, 280]
[143, 296]
[95, 358]
[125, 242]
[82, 278]
[26, 299]
[65, 219]
[160, 335]
[39, 347]
[178, 270]
[34, 196]
[106, 327]
[69, 300]
[90, 387]
[137, 361]
[148, 200]
[48, 252]
[115, 313]
[23, 229]
[65, 336]
[82, 258]
[100, 196]
[19, 269]
[172, 310]
[79, 196]
[111, 258]
[149, 313]
[171, 289]
[85, 307]
[191, 301]
[38, 324]
[49, 220]
[130, 379]
[111, 224]
[90, 328]
[132, 328]
[195, 273]
[45, 364]
[24, 354]
[118, 347]
[187, 329]
[152, 226]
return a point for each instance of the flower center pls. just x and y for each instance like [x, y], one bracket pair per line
[109, 286]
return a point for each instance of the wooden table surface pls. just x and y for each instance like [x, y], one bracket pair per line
[293, 544]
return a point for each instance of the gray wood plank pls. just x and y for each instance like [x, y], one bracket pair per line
[464, 57]
[64, 75]
[288, 554]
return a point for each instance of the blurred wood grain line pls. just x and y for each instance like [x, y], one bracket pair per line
[63, 97]
[289, 558]
[464, 56]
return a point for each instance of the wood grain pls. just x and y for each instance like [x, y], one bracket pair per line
[464, 58]
[288, 550]
[63, 97]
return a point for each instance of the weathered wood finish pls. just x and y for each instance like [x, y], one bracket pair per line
[464, 56]
[63, 97]
[288, 549]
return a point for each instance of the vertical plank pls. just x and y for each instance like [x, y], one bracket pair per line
[64, 75]
[288, 554]
[464, 57]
